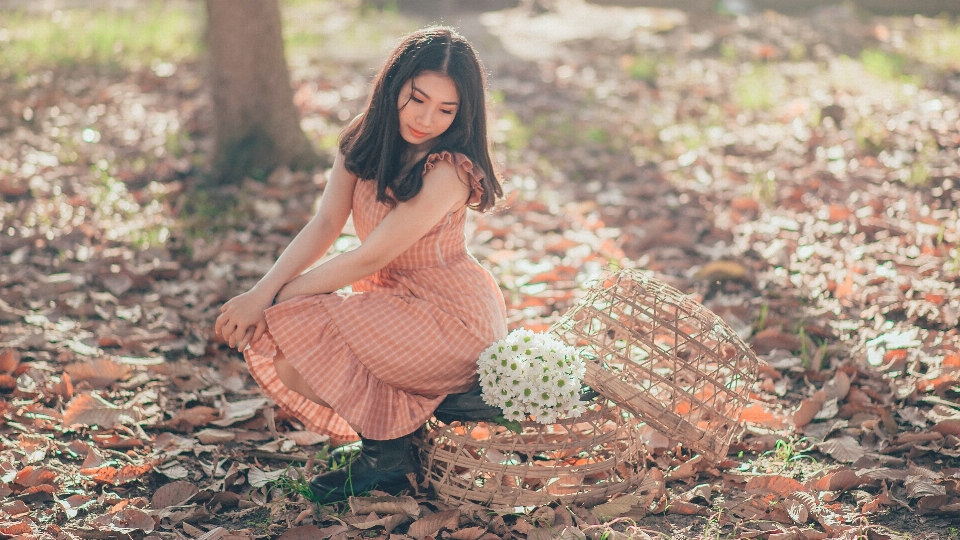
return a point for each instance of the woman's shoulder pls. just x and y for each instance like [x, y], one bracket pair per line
[460, 164]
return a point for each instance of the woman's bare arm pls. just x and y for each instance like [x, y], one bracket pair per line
[442, 192]
[241, 320]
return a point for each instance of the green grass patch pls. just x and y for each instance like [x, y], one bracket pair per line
[888, 66]
[324, 32]
[642, 68]
[98, 37]
[758, 88]
[939, 46]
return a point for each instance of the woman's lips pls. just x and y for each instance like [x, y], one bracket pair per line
[417, 134]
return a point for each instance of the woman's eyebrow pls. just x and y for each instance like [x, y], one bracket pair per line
[428, 97]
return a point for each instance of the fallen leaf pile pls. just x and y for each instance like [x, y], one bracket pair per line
[757, 162]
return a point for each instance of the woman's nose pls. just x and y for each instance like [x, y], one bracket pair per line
[425, 116]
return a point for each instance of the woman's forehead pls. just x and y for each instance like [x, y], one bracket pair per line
[436, 86]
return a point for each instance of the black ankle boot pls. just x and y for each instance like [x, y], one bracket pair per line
[466, 407]
[381, 465]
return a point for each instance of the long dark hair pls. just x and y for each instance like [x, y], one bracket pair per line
[372, 144]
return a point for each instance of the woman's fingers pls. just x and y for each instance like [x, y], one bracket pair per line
[249, 338]
[259, 331]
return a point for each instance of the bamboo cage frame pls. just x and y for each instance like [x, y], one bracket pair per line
[665, 357]
[575, 460]
[654, 356]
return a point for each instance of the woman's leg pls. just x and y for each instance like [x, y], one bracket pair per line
[292, 379]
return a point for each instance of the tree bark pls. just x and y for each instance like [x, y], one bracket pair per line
[256, 126]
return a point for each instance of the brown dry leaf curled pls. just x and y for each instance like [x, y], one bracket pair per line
[303, 532]
[31, 476]
[845, 449]
[128, 518]
[90, 409]
[616, 508]
[118, 476]
[432, 524]
[215, 436]
[9, 360]
[173, 494]
[100, 373]
[187, 419]
[779, 485]
[385, 505]
[807, 410]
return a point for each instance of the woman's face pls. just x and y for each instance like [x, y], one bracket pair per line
[428, 104]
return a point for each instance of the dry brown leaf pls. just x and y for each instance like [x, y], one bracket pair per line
[99, 373]
[838, 387]
[686, 508]
[559, 533]
[807, 410]
[42, 493]
[215, 436]
[187, 419]
[7, 382]
[432, 524]
[920, 486]
[303, 532]
[688, 469]
[845, 449]
[9, 360]
[238, 411]
[306, 438]
[127, 518]
[797, 511]
[769, 339]
[467, 533]
[616, 507]
[90, 409]
[173, 494]
[841, 480]
[31, 476]
[384, 505]
[948, 427]
[773, 483]
[18, 528]
[118, 476]
[757, 414]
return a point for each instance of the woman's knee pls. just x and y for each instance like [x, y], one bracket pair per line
[288, 374]
[292, 379]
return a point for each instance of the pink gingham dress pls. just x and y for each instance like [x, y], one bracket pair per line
[386, 354]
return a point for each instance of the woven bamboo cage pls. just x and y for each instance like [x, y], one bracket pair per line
[575, 460]
[664, 357]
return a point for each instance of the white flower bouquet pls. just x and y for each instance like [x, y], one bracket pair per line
[532, 374]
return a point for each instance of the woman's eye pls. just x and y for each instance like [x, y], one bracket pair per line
[445, 111]
[416, 99]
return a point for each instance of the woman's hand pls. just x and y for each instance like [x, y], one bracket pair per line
[241, 321]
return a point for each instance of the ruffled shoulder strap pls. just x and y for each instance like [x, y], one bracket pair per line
[467, 173]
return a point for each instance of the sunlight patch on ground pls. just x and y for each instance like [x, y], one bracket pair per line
[537, 36]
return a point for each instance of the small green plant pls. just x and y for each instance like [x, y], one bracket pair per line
[788, 451]
[205, 212]
[293, 482]
[642, 68]
[762, 318]
[758, 88]
[889, 66]
[764, 187]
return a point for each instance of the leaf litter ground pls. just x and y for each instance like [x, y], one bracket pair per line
[764, 164]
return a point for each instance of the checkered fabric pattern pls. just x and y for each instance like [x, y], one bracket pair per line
[386, 354]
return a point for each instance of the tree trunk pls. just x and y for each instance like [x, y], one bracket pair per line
[256, 126]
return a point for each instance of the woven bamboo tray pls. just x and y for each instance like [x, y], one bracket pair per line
[576, 460]
[664, 357]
